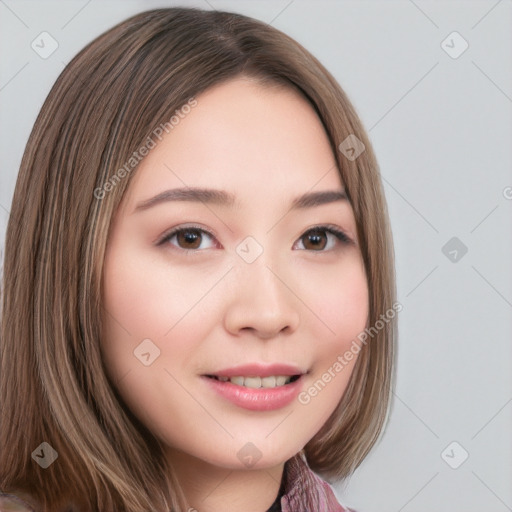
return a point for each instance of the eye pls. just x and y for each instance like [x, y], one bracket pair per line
[192, 238]
[317, 239]
[187, 238]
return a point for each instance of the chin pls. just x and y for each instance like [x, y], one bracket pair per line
[252, 456]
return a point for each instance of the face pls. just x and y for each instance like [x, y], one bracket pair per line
[215, 301]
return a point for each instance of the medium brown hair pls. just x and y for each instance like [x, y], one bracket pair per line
[104, 105]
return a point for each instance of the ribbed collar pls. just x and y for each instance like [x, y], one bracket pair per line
[304, 491]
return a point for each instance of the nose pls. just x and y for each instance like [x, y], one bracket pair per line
[261, 302]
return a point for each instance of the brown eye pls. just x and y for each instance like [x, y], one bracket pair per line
[324, 238]
[315, 240]
[187, 238]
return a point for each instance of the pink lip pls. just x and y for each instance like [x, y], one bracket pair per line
[259, 370]
[262, 399]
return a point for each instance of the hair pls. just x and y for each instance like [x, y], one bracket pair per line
[108, 100]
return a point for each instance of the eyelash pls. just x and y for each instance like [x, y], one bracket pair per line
[340, 235]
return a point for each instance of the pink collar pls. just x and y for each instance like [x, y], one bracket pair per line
[305, 491]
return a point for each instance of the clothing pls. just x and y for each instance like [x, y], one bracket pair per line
[301, 491]
[304, 491]
[11, 503]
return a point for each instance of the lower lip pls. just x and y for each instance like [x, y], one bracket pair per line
[262, 399]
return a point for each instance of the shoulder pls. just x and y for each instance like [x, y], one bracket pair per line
[12, 503]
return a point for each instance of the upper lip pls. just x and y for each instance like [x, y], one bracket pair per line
[259, 370]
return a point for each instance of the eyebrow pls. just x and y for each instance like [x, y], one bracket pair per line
[223, 198]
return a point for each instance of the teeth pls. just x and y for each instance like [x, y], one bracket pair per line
[239, 381]
[258, 382]
[252, 382]
[268, 382]
[281, 380]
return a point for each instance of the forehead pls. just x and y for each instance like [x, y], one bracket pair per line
[254, 140]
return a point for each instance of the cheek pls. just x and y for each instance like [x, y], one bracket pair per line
[342, 308]
[144, 300]
[340, 303]
[131, 309]
[144, 296]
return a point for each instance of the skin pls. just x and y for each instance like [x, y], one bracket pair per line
[207, 308]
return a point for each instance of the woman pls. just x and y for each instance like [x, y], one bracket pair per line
[198, 296]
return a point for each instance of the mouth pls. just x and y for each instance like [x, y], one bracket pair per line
[257, 382]
[258, 386]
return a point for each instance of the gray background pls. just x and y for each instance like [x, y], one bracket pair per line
[441, 128]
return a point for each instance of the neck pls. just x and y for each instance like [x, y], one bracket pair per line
[210, 488]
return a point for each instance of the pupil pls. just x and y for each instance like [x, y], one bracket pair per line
[189, 237]
[315, 238]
